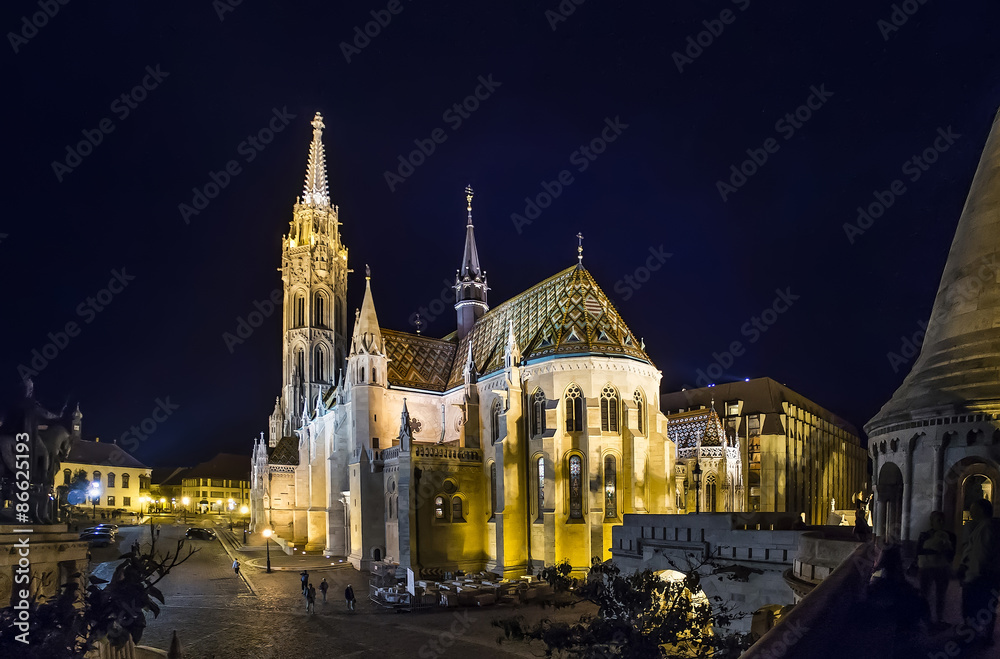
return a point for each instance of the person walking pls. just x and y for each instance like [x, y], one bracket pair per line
[311, 599]
[236, 567]
[323, 587]
[157, 531]
[979, 571]
[349, 596]
[305, 581]
[935, 551]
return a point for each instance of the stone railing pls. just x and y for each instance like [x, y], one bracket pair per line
[391, 453]
[450, 453]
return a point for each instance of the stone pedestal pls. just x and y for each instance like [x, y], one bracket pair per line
[53, 554]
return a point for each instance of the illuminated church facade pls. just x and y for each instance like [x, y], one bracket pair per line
[517, 441]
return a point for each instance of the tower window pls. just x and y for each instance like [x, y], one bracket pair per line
[319, 366]
[495, 422]
[610, 487]
[456, 510]
[300, 310]
[300, 363]
[609, 409]
[540, 486]
[640, 406]
[493, 489]
[574, 409]
[538, 413]
[575, 487]
[319, 317]
[710, 493]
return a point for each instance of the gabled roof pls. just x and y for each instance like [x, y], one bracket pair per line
[105, 454]
[567, 313]
[418, 361]
[285, 452]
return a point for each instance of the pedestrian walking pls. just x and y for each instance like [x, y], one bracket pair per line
[311, 599]
[935, 551]
[979, 571]
[157, 531]
[236, 567]
[323, 587]
[305, 580]
[349, 596]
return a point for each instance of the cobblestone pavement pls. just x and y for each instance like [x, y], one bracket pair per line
[263, 616]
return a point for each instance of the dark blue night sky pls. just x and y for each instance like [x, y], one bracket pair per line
[823, 106]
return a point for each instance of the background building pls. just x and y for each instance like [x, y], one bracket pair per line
[211, 486]
[795, 456]
[123, 480]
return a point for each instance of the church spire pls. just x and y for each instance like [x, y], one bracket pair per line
[470, 280]
[315, 192]
[367, 335]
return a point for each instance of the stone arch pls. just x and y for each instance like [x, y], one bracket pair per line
[962, 477]
[889, 501]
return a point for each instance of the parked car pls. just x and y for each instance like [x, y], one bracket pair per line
[200, 533]
[97, 538]
[101, 528]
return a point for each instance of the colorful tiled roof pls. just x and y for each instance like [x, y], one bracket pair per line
[697, 429]
[418, 361]
[285, 452]
[567, 313]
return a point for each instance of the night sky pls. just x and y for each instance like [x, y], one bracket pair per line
[217, 74]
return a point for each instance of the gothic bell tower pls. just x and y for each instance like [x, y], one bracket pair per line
[314, 277]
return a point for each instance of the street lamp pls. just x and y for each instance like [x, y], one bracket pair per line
[163, 502]
[244, 511]
[185, 501]
[95, 495]
[142, 503]
[231, 505]
[267, 538]
[697, 487]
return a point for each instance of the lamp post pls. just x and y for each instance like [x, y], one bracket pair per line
[185, 501]
[244, 511]
[697, 488]
[95, 495]
[230, 505]
[267, 543]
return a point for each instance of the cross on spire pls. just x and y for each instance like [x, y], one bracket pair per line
[315, 191]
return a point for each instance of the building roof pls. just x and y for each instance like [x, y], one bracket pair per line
[227, 466]
[695, 429]
[418, 361]
[105, 454]
[759, 395]
[285, 452]
[958, 369]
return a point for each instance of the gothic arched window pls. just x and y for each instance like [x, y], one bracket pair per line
[574, 409]
[456, 509]
[319, 308]
[575, 487]
[300, 310]
[111, 479]
[710, 493]
[610, 487]
[319, 366]
[125, 478]
[493, 489]
[495, 421]
[538, 413]
[67, 476]
[540, 486]
[609, 409]
[300, 363]
[640, 406]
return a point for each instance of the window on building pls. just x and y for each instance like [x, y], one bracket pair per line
[540, 486]
[538, 413]
[733, 408]
[610, 487]
[319, 366]
[495, 421]
[300, 364]
[456, 510]
[640, 406]
[609, 409]
[67, 476]
[439, 507]
[753, 424]
[125, 480]
[300, 310]
[111, 502]
[710, 493]
[574, 409]
[126, 501]
[575, 487]
[111, 479]
[218, 494]
[218, 482]
[319, 317]
[493, 490]
[96, 478]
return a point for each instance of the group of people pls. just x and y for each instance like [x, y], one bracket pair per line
[309, 593]
[977, 569]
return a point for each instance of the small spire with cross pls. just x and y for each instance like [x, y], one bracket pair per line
[368, 272]
[579, 248]
[418, 323]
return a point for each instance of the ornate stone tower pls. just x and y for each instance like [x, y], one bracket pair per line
[314, 276]
[470, 280]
